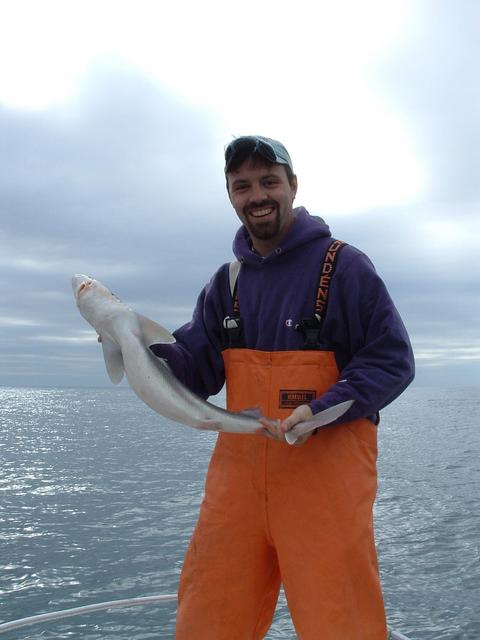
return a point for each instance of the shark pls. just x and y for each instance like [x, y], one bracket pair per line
[126, 337]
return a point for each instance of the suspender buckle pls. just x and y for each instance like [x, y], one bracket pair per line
[232, 332]
[310, 329]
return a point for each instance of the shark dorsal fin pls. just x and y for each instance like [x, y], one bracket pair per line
[252, 412]
[153, 333]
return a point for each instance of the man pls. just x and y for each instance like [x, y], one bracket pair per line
[307, 324]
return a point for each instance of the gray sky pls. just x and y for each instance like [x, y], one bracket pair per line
[111, 161]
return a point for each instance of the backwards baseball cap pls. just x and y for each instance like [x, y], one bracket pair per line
[271, 150]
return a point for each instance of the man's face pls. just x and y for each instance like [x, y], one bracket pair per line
[262, 197]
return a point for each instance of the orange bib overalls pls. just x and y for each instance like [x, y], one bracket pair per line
[273, 513]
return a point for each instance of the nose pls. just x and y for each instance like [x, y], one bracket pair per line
[257, 193]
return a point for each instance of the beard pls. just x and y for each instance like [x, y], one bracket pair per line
[264, 229]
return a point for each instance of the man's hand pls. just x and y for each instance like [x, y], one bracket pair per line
[301, 413]
[271, 429]
[277, 429]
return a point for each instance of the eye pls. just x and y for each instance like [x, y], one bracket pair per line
[270, 182]
[240, 186]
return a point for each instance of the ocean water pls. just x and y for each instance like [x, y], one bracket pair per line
[99, 495]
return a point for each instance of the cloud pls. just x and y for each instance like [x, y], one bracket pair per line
[125, 165]
[432, 81]
[121, 146]
[427, 256]
[126, 184]
[123, 184]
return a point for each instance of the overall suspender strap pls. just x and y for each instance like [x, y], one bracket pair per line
[233, 271]
[311, 328]
[326, 275]
[232, 328]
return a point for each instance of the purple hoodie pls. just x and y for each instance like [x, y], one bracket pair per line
[362, 326]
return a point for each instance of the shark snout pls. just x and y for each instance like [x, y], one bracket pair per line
[79, 282]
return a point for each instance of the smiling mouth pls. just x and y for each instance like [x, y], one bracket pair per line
[261, 213]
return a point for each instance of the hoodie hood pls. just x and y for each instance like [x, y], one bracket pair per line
[305, 228]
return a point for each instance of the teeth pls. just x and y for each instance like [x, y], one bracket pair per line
[259, 213]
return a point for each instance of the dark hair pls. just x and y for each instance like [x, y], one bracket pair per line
[247, 152]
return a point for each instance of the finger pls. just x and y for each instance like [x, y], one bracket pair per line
[303, 412]
[261, 431]
[273, 428]
[288, 423]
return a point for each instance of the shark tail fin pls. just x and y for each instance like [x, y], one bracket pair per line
[319, 420]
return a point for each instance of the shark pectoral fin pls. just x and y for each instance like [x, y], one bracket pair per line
[208, 425]
[113, 361]
[153, 333]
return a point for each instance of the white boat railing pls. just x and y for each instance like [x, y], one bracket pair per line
[394, 635]
[89, 608]
[112, 604]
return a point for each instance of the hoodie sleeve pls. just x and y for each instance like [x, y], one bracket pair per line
[369, 339]
[195, 358]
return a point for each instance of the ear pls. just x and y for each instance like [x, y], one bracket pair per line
[294, 186]
[228, 187]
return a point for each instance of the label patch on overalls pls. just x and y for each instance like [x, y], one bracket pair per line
[291, 398]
